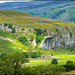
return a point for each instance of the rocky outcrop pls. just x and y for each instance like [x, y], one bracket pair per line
[73, 39]
[34, 43]
[2, 27]
[51, 42]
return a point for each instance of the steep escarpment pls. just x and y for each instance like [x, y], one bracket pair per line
[38, 32]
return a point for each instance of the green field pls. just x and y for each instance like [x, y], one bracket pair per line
[45, 61]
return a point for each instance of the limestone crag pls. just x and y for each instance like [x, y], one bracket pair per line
[53, 40]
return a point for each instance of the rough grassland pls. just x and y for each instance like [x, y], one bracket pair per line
[28, 20]
[69, 73]
[9, 46]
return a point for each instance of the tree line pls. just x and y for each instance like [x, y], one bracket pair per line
[12, 64]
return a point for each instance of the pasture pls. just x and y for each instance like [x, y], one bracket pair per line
[45, 61]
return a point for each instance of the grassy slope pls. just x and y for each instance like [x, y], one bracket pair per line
[10, 47]
[27, 20]
[23, 19]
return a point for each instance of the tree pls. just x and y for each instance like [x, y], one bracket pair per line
[10, 26]
[22, 39]
[2, 55]
[38, 32]
[39, 39]
[5, 24]
[69, 62]
[69, 66]
[33, 55]
[70, 35]
[12, 64]
[54, 61]
[13, 30]
[26, 54]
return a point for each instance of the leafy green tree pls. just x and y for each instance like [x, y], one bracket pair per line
[39, 39]
[45, 33]
[33, 55]
[69, 62]
[10, 26]
[38, 32]
[70, 65]
[12, 64]
[54, 61]
[32, 37]
[2, 55]
[22, 39]
[26, 54]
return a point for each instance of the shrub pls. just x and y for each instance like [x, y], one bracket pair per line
[13, 30]
[54, 61]
[38, 32]
[45, 33]
[63, 43]
[22, 28]
[5, 24]
[70, 65]
[22, 39]
[39, 39]
[32, 37]
[28, 44]
[70, 35]
[33, 55]
[69, 62]
[26, 54]
[72, 49]
[2, 55]
[10, 26]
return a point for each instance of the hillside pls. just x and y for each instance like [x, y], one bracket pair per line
[60, 10]
[36, 31]
[8, 44]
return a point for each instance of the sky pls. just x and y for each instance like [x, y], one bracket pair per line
[3, 1]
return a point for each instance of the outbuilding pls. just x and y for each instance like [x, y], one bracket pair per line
[45, 56]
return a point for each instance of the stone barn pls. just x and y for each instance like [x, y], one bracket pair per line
[45, 56]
